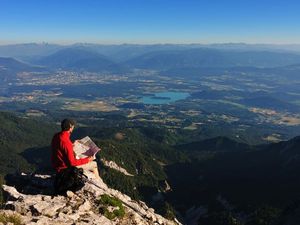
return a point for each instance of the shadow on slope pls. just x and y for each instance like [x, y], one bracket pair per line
[40, 158]
[246, 179]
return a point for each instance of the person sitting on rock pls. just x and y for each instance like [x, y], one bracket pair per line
[63, 157]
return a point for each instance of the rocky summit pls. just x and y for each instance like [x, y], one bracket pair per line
[30, 200]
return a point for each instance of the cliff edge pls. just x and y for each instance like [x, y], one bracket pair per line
[29, 197]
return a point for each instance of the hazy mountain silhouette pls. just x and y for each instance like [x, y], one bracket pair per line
[9, 67]
[125, 52]
[28, 51]
[14, 65]
[80, 60]
[205, 57]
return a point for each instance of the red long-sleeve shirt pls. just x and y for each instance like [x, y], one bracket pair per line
[62, 152]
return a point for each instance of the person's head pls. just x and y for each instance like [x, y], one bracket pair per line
[67, 125]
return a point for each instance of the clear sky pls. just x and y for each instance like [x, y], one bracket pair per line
[150, 21]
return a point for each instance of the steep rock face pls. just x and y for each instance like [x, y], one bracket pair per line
[113, 165]
[33, 202]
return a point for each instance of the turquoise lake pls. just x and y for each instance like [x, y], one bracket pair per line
[164, 97]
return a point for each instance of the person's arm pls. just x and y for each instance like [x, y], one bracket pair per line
[68, 147]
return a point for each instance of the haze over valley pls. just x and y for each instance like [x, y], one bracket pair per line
[253, 95]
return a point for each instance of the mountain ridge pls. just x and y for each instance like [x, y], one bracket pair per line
[217, 144]
[80, 59]
[207, 57]
[10, 67]
[122, 52]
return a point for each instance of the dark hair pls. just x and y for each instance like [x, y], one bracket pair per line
[66, 124]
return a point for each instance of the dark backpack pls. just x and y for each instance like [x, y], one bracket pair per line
[71, 178]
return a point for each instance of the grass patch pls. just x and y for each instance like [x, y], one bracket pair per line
[110, 207]
[10, 218]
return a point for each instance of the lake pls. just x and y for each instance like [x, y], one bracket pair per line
[164, 97]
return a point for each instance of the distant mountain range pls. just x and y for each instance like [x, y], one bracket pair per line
[125, 52]
[168, 59]
[90, 60]
[80, 60]
[28, 51]
[205, 57]
[35, 48]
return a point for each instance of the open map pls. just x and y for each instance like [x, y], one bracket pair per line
[85, 147]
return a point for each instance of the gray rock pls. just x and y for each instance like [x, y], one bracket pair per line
[70, 194]
[86, 206]
[49, 208]
[78, 208]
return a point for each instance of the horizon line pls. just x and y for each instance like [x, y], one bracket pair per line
[145, 43]
[158, 43]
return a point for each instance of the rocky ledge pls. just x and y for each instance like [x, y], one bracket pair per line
[32, 201]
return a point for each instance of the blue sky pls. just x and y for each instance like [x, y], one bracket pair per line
[149, 21]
